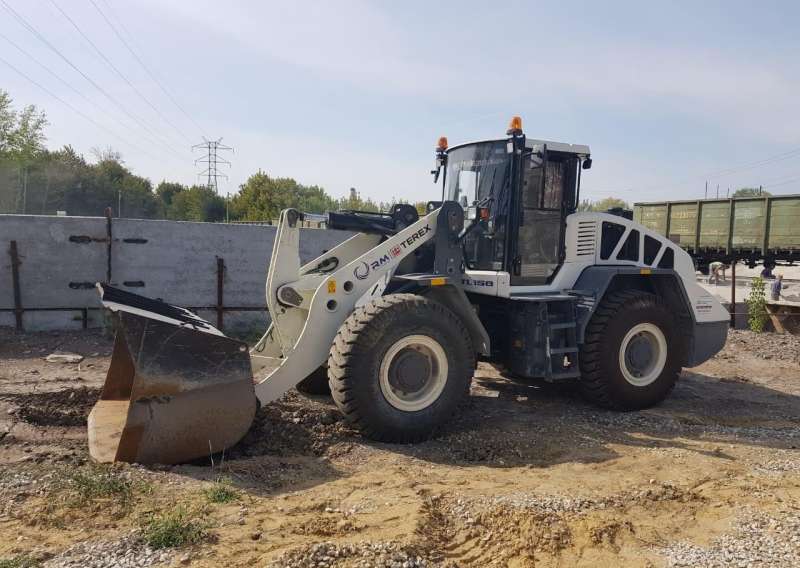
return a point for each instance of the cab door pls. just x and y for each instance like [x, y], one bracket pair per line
[546, 195]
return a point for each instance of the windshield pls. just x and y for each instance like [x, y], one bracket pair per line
[477, 171]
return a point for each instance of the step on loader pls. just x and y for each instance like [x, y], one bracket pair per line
[393, 320]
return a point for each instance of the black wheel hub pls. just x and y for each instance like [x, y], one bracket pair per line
[409, 371]
[639, 354]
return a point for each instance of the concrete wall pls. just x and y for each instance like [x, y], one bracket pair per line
[174, 260]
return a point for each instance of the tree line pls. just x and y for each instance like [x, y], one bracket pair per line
[37, 180]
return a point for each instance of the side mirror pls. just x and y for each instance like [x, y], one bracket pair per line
[587, 164]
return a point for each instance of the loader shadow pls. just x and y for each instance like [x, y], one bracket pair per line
[512, 423]
[300, 442]
[291, 446]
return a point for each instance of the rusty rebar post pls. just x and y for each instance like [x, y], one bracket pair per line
[733, 295]
[109, 240]
[15, 262]
[220, 292]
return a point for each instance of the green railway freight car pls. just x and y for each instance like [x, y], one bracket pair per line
[752, 229]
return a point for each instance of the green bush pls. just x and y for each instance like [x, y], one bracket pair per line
[221, 492]
[756, 305]
[173, 529]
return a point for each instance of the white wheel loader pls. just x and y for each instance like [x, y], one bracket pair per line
[394, 319]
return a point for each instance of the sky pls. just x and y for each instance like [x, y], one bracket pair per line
[344, 94]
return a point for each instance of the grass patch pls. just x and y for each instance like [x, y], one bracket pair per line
[98, 483]
[174, 528]
[22, 561]
[221, 492]
[99, 490]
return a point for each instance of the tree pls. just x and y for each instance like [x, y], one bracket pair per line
[56, 173]
[198, 203]
[21, 143]
[27, 138]
[750, 192]
[8, 121]
[109, 183]
[166, 192]
[610, 203]
[107, 154]
[602, 205]
[261, 198]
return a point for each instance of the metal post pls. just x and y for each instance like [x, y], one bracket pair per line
[697, 226]
[733, 294]
[731, 226]
[220, 292]
[15, 262]
[767, 213]
[669, 220]
[108, 245]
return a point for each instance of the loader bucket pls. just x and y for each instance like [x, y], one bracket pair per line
[177, 389]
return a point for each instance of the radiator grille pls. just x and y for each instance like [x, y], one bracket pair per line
[586, 238]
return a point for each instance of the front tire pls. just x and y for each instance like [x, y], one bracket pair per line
[630, 357]
[399, 367]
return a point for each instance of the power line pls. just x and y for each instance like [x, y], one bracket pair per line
[55, 50]
[69, 86]
[76, 110]
[43, 66]
[122, 76]
[756, 164]
[118, 72]
[212, 159]
[141, 62]
[784, 182]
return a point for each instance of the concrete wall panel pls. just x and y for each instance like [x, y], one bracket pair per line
[50, 261]
[175, 261]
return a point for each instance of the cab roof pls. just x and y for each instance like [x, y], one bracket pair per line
[578, 149]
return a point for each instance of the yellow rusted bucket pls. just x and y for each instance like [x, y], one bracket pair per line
[177, 388]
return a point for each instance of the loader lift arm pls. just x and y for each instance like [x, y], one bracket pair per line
[309, 306]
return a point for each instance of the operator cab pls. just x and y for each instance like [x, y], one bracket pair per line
[522, 191]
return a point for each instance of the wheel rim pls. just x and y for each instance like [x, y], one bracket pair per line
[413, 373]
[643, 354]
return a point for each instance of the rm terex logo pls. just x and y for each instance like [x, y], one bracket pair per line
[477, 283]
[362, 270]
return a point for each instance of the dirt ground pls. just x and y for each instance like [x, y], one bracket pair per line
[525, 475]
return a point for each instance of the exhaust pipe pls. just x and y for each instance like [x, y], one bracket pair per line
[177, 388]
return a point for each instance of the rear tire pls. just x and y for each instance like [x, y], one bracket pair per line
[399, 367]
[630, 357]
[316, 383]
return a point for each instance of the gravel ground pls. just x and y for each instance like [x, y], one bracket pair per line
[758, 540]
[767, 346]
[126, 552]
[524, 475]
[360, 555]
